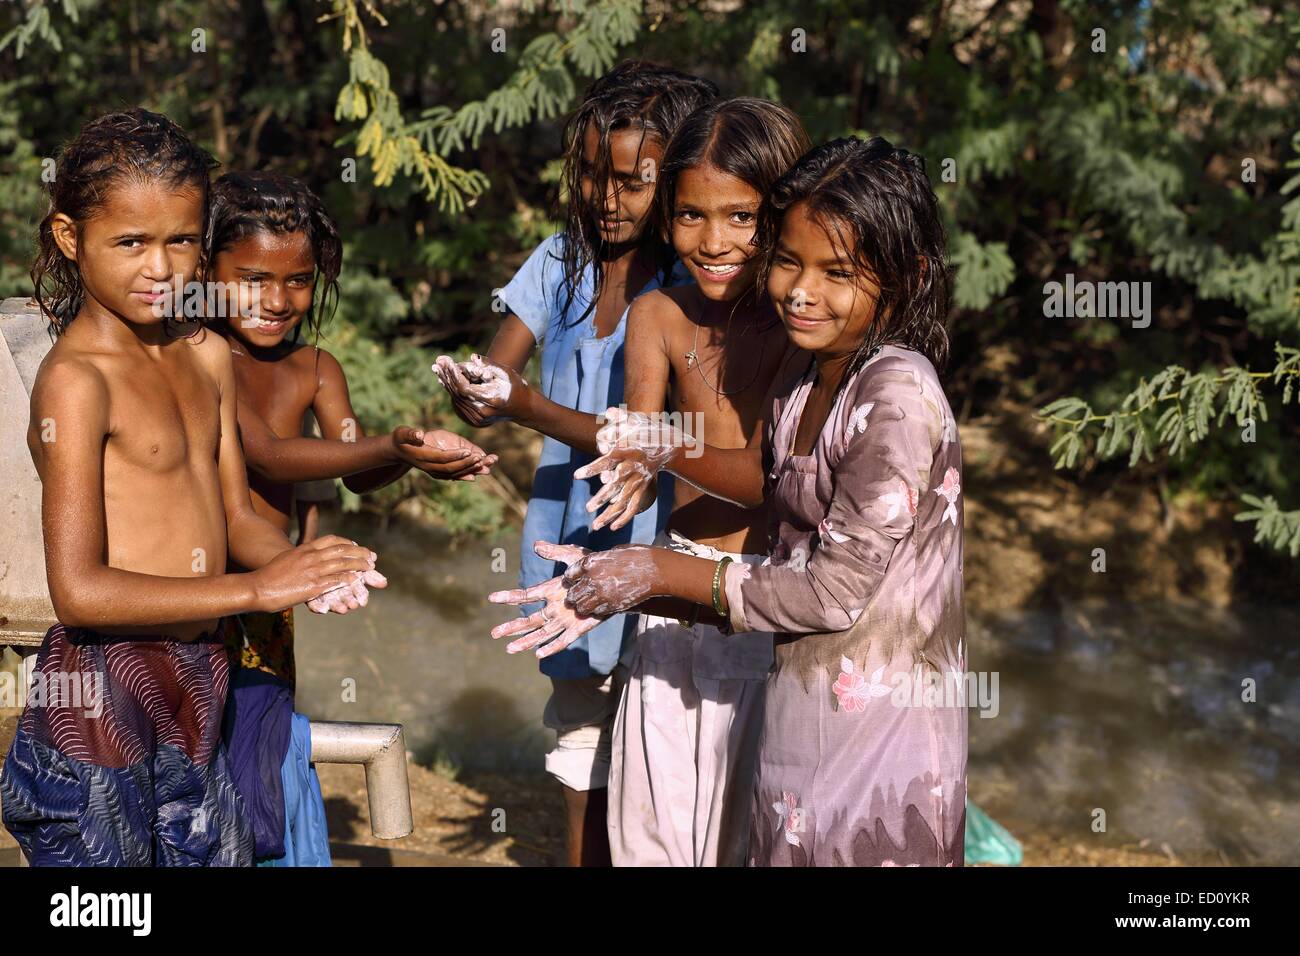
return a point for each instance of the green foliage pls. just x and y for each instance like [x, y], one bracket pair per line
[38, 25]
[21, 197]
[1192, 403]
[1274, 527]
[984, 271]
[541, 88]
[391, 144]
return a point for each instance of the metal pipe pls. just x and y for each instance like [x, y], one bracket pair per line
[382, 749]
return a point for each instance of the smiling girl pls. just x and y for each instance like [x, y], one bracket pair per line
[859, 461]
[686, 734]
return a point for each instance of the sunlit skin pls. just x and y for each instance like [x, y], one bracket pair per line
[825, 299]
[279, 380]
[139, 240]
[144, 493]
[276, 274]
[827, 303]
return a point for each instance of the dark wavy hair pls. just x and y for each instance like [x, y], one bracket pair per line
[876, 199]
[132, 145]
[755, 140]
[244, 203]
[633, 95]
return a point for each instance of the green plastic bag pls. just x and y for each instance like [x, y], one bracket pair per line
[987, 841]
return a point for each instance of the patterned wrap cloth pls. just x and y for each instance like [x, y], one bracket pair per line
[118, 760]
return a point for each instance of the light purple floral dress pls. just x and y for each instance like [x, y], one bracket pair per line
[863, 755]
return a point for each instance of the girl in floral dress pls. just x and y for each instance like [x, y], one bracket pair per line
[863, 755]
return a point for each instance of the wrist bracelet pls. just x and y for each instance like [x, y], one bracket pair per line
[717, 586]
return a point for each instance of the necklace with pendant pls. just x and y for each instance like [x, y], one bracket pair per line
[693, 362]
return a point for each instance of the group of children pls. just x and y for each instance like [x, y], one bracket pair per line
[806, 562]
[726, 611]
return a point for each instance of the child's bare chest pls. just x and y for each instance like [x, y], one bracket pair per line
[164, 416]
[812, 420]
[279, 392]
[726, 384]
[609, 312]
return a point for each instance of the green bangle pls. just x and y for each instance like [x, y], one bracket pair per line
[717, 586]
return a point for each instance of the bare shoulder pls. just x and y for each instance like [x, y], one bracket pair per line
[319, 368]
[663, 307]
[317, 358]
[69, 376]
[212, 351]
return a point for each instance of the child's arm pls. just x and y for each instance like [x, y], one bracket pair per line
[294, 459]
[732, 474]
[308, 520]
[639, 448]
[648, 369]
[513, 344]
[254, 541]
[351, 453]
[438, 453]
[85, 590]
[880, 492]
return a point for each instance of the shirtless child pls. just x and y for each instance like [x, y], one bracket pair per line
[145, 501]
[271, 233]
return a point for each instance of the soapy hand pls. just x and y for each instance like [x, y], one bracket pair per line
[634, 448]
[308, 571]
[556, 625]
[441, 454]
[605, 583]
[348, 597]
[481, 392]
[596, 585]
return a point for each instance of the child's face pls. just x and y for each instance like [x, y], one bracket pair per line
[276, 275]
[826, 300]
[714, 217]
[620, 214]
[142, 237]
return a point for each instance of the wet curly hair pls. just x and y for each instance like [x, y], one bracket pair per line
[125, 146]
[635, 95]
